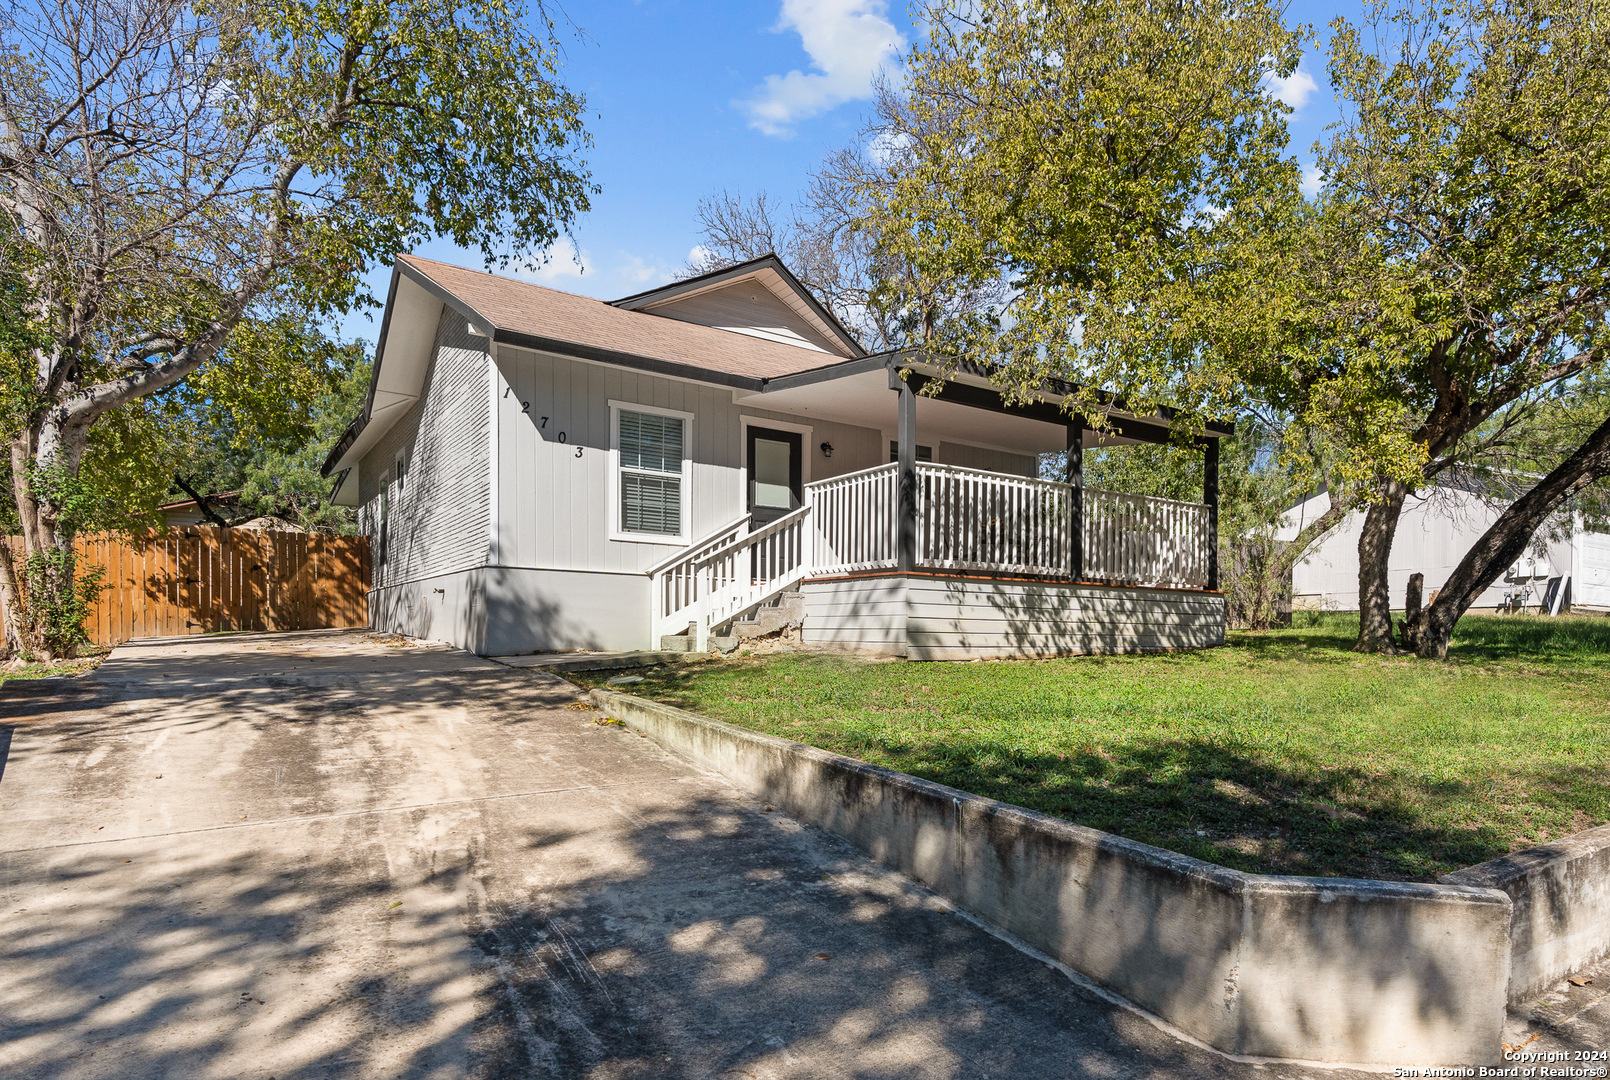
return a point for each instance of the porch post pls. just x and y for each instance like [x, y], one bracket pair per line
[1210, 495]
[1075, 476]
[906, 486]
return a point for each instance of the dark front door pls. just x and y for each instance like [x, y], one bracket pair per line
[776, 474]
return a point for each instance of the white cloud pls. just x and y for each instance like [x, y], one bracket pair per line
[697, 254]
[1295, 89]
[848, 41]
[640, 271]
[561, 260]
[884, 147]
[1313, 181]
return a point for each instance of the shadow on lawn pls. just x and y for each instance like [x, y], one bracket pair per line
[1216, 799]
[1216, 803]
[1565, 640]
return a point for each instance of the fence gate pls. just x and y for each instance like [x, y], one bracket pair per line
[201, 580]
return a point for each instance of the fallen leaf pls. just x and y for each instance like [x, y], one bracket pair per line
[397, 904]
[1515, 1048]
[768, 809]
[1579, 980]
[824, 956]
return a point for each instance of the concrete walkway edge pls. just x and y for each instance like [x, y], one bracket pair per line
[1374, 974]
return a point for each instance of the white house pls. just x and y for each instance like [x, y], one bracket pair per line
[538, 470]
[1436, 529]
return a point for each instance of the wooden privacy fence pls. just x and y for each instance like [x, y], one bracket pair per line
[201, 580]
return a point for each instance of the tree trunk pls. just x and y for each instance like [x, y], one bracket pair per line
[1506, 541]
[1413, 601]
[11, 597]
[1374, 548]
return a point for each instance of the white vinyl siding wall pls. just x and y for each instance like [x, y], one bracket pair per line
[554, 496]
[438, 518]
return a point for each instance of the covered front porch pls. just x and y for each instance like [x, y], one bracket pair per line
[938, 561]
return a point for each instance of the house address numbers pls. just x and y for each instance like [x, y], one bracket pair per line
[542, 421]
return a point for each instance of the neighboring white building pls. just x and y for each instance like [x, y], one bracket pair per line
[538, 470]
[1435, 531]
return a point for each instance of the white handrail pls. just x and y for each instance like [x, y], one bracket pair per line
[673, 582]
[853, 524]
[699, 547]
[750, 570]
[967, 520]
[841, 477]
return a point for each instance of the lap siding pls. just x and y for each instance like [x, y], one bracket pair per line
[959, 618]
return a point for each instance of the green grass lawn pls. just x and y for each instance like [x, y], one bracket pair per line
[62, 667]
[1282, 753]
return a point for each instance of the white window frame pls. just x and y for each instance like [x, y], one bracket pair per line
[616, 532]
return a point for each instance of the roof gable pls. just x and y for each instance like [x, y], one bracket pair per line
[759, 298]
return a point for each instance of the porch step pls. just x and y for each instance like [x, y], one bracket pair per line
[783, 610]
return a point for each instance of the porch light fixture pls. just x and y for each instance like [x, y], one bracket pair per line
[827, 449]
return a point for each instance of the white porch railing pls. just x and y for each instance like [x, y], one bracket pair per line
[1140, 540]
[854, 521]
[674, 586]
[754, 568]
[967, 520]
[727, 574]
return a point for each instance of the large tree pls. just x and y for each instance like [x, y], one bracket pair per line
[1553, 466]
[833, 239]
[179, 170]
[1460, 263]
[1115, 167]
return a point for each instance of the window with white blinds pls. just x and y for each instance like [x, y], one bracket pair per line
[651, 448]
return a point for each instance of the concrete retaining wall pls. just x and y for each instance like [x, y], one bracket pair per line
[1307, 969]
[1561, 907]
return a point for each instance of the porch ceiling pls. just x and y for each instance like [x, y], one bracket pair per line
[865, 400]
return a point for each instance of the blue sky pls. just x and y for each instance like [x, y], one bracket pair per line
[687, 97]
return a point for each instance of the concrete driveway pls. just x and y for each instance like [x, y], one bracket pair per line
[314, 855]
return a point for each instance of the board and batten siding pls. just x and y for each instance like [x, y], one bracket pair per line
[554, 485]
[439, 515]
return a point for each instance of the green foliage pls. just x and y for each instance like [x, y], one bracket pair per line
[1530, 439]
[56, 597]
[1458, 262]
[286, 481]
[418, 118]
[1120, 167]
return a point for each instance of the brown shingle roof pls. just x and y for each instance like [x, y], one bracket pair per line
[564, 318]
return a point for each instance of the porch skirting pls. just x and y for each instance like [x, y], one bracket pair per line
[930, 616]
